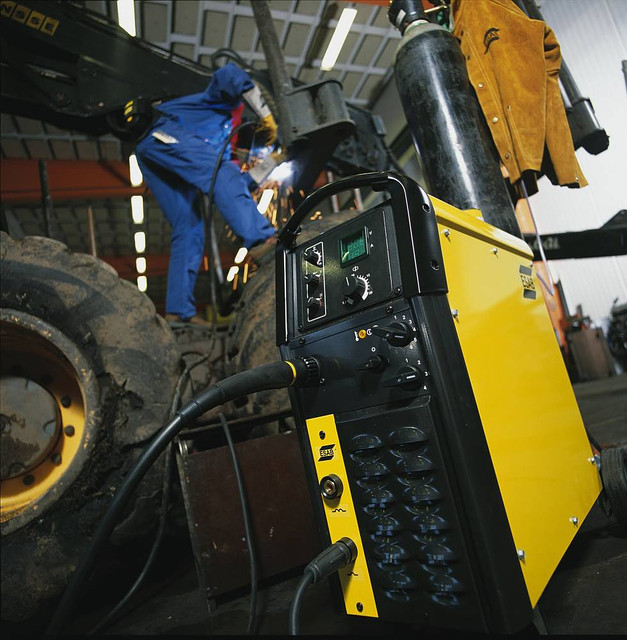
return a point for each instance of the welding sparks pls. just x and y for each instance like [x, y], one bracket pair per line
[282, 172]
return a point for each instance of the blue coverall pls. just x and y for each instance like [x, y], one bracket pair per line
[177, 158]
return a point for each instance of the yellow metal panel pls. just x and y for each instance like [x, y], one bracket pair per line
[530, 416]
[340, 515]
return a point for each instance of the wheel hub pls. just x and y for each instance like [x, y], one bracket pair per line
[49, 412]
[30, 423]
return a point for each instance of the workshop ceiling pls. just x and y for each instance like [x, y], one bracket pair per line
[195, 29]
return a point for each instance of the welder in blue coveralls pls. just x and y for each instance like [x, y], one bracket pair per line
[177, 158]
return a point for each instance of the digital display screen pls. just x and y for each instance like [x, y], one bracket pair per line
[353, 248]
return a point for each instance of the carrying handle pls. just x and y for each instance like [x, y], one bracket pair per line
[376, 180]
[414, 221]
[419, 253]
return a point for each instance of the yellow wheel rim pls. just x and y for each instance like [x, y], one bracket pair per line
[41, 366]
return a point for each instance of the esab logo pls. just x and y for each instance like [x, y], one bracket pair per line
[529, 288]
[326, 452]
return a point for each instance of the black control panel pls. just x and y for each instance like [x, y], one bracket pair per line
[367, 300]
[346, 269]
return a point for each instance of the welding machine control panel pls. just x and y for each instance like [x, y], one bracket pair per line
[345, 270]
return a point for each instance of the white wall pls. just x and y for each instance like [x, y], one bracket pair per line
[592, 35]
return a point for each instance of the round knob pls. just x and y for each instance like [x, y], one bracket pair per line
[407, 377]
[313, 304]
[398, 334]
[313, 256]
[353, 288]
[312, 279]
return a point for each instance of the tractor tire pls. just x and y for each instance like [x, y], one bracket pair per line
[614, 478]
[88, 373]
[251, 340]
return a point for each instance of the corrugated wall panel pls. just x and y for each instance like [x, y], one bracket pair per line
[592, 38]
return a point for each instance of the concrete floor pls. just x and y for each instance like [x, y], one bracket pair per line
[587, 594]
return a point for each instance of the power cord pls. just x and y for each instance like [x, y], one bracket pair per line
[252, 618]
[338, 555]
[300, 372]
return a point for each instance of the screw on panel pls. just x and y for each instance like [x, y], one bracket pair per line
[389, 309]
[69, 430]
[360, 607]
[521, 555]
[574, 520]
[455, 313]
[495, 250]
[66, 401]
[446, 232]
[322, 435]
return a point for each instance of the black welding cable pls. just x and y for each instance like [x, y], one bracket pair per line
[294, 615]
[248, 531]
[165, 502]
[340, 554]
[113, 615]
[269, 376]
[208, 218]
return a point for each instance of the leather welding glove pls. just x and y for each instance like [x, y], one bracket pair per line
[267, 128]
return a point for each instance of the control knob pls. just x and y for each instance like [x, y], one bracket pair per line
[312, 279]
[353, 288]
[313, 256]
[407, 377]
[314, 304]
[397, 334]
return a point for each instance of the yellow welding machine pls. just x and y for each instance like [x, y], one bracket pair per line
[445, 440]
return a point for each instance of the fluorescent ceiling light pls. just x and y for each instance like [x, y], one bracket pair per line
[265, 200]
[337, 40]
[233, 271]
[137, 209]
[126, 16]
[140, 242]
[142, 283]
[140, 264]
[240, 255]
[134, 171]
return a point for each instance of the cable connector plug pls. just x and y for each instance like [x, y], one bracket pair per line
[332, 559]
[306, 371]
[338, 555]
